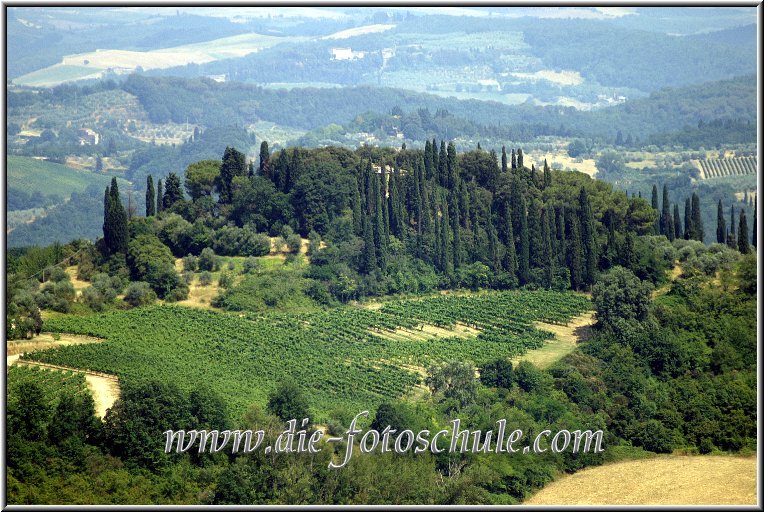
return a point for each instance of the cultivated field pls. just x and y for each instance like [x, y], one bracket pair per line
[93, 64]
[665, 480]
[33, 175]
[347, 356]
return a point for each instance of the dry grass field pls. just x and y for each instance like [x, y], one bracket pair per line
[663, 480]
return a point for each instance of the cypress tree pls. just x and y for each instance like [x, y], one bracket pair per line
[721, 226]
[535, 236]
[493, 247]
[677, 223]
[687, 219]
[547, 257]
[379, 227]
[628, 257]
[392, 204]
[160, 195]
[456, 229]
[151, 207]
[510, 252]
[464, 205]
[697, 221]
[742, 234]
[369, 254]
[172, 191]
[534, 177]
[442, 169]
[520, 158]
[575, 256]
[445, 239]
[357, 215]
[107, 226]
[523, 267]
[234, 164]
[547, 175]
[588, 238]
[753, 238]
[667, 227]
[115, 222]
[514, 159]
[731, 238]
[295, 168]
[654, 203]
[559, 218]
[435, 159]
[453, 172]
[428, 160]
[503, 159]
[265, 158]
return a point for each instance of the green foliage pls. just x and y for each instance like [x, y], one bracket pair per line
[454, 381]
[139, 293]
[620, 295]
[288, 401]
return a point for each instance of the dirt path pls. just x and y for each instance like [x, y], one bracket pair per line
[566, 337]
[103, 386]
[664, 480]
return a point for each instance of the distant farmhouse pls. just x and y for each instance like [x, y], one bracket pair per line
[88, 136]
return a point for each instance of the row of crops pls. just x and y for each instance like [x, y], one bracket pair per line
[340, 355]
[53, 383]
[737, 166]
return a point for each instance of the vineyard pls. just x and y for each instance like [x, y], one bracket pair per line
[723, 167]
[347, 356]
[53, 383]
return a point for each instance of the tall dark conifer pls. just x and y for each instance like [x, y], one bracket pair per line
[547, 257]
[523, 265]
[687, 219]
[754, 236]
[667, 226]
[160, 195]
[547, 175]
[721, 226]
[514, 159]
[697, 220]
[731, 237]
[451, 169]
[509, 260]
[588, 238]
[442, 165]
[428, 167]
[535, 237]
[677, 223]
[234, 164]
[172, 191]
[575, 256]
[654, 203]
[520, 158]
[742, 234]
[503, 159]
[151, 206]
[265, 158]
[115, 221]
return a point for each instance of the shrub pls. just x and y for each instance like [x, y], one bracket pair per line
[250, 264]
[205, 279]
[190, 263]
[208, 260]
[140, 293]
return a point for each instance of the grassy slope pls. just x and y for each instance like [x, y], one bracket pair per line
[30, 175]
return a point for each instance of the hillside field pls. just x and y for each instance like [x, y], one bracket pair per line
[665, 480]
[346, 357]
[32, 175]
